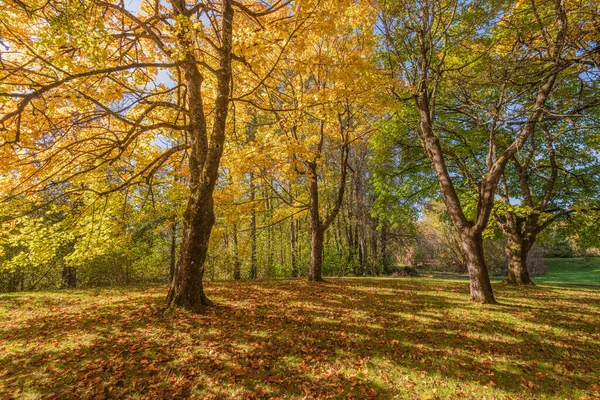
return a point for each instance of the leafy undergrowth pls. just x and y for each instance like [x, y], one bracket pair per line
[352, 338]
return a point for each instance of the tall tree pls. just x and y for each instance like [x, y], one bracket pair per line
[425, 46]
[85, 104]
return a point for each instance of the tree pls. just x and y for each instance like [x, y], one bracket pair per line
[425, 46]
[328, 85]
[77, 104]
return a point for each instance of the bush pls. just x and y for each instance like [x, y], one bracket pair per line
[495, 257]
[405, 272]
[558, 250]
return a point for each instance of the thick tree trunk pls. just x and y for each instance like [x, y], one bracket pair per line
[481, 288]
[516, 250]
[205, 155]
[187, 289]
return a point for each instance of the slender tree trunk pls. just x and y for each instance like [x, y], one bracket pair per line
[373, 260]
[316, 232]
[253, 269]
[173, 259]
[237, 269]
[69, 277]
[316, 254]
[293, 247]
[481, 288]
[12, 281]
[269, 241]
[350, 240]
[385, 257]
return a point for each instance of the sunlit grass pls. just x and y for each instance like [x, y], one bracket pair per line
[347, 338]
[572, 270]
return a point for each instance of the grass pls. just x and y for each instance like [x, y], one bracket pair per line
[350, 338]
[572, 270]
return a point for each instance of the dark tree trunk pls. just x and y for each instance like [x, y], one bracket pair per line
[237, 267]
[173, 259]
[317, 225]
[516, 250]
[373, 259]
[481, 288]
[187, 290]
[293, 247]
[520, 235]
[269, 239]
[13, 281]
[316, 254]
[69, 277]
[316, 232]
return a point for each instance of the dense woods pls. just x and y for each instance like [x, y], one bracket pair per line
[174, 142]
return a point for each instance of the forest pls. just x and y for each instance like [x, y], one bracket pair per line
[299, 199]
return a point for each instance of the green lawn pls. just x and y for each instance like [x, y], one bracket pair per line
[572, 270]
[350, 338]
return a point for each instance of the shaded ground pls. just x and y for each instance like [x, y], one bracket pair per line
[572, 270]
[351, 338]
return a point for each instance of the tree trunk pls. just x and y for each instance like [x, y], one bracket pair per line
[516, 250]
[373, 259]
[385, 259]
[69, 277]
[173, 259]
[187, 289]
[237, 270]
[481, 288]
[316, 253]
[293, 247]
[204, 158]
[269, 239]
[316, 232]
[253, 269]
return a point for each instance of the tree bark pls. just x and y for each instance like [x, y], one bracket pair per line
[173, 259]
[520, 234]
[316, 230]
[237, 269]
[480, 286]
[187, 289]
[517, 251]
[253, 268]
[293, 247]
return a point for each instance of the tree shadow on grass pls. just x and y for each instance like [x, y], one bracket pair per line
[292, 339]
